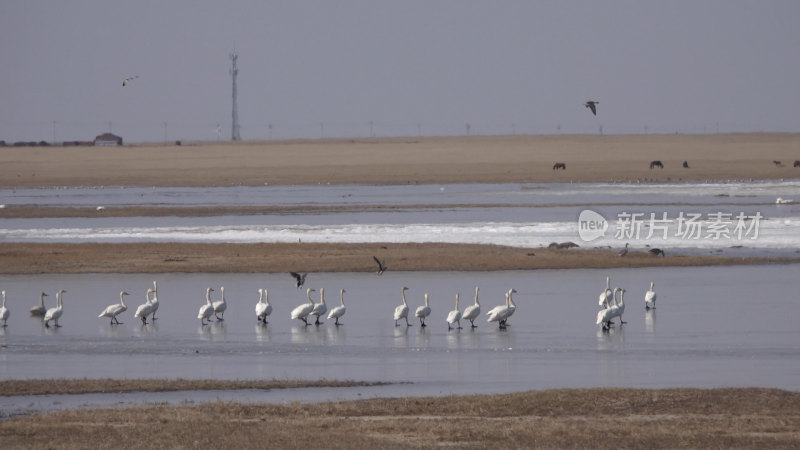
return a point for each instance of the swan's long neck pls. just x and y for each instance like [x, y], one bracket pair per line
[621, 295]
[404, 297]
[222, 293]
[608, 283]
[266, 296]
[260, 296]
[122, 298]
[322, 295]
[147, 296]
[4, 299]
[426, 300]
[341, 297]
[208, 296]
[652, 283]
[60, 299]
[308, 295]
[476, 296]
[41, 299]
[511, 299]
[457, 295]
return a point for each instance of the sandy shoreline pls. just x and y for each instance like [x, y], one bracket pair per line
[477, 159]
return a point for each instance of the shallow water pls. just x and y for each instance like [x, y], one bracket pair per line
[713, 326]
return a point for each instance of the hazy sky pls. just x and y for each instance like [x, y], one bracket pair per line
[409, 67]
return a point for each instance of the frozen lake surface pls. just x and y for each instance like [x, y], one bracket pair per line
[713, 326]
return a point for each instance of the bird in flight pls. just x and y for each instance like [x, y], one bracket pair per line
[300, 278]
[128, 80]
[591, 104]
[381, 265]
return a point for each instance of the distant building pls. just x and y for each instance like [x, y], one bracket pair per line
[107, 139]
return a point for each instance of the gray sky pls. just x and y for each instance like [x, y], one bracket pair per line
[411, 66]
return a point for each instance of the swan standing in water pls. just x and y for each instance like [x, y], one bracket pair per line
[39, 309]
[338, 311]
[604, 316]
[650, 298]
[423, 311]
[454, 315]
[401, 312]
[501, 313]
[55, 313]
[619, 307]
[146, 308]
[605, 297]
[4, 312]
[261, 307]
[320, 308]
[154, 301]
[113, 311]
[472, 312]
[207, 310]
[220, 305]
[301, 312]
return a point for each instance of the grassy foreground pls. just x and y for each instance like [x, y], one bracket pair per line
[577, 418]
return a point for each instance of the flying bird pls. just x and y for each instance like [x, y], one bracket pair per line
[591, 104]
[301, 278]
[128, 80]
[381, 265]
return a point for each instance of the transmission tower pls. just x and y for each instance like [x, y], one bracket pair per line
[235, 115]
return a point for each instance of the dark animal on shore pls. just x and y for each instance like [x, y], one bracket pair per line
[797, 163]
[777, 163]
[562, 245]
[686, 164]
[557, 166]
[656, 163]
[657, 251]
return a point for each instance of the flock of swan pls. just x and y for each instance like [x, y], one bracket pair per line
[611, 303]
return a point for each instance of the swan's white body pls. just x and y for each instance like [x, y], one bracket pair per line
[4, 312]
[40, 309]
[606, 296]
[154, 301]
[207, 310]
[338, 311]
[220, 305]
[146, 308]
[401, 312]
[454, 316]
[619, 307]
[501, 313]
[263, 309]
[472, 312]
[650, 297]
[112, 311]
[55, 313]
[604, 316]
[423, 311]
[301, 312]
[320, 308]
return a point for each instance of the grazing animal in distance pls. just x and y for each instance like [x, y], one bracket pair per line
[797, 163]
[777, 163]
[591, 104]
[656, 163]
[559, 165]
[686, 164]
[657, 251]
[301, 279]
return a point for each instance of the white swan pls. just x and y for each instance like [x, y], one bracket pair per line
[619, 307]
[338, 311]
[39, 309]
[116, 309]
[472, 312]
[301, 312]
[154, 301]
[454, 315]
[605, 297]
[55, 313]
[320, 308]
[501, 313]
[146, 308]
[401, 312]
[207, 310]
[604, 315]
[4, 312]
[650, 298]
[261, 307]
[423, 311]
[220, 305]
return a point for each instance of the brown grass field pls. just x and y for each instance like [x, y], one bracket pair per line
[558, 418]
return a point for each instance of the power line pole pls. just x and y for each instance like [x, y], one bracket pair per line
[235, 115]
